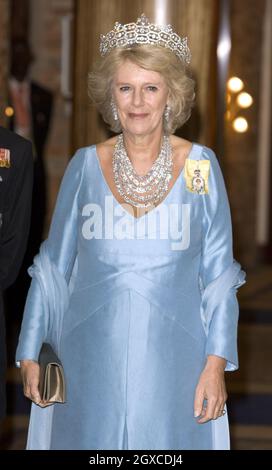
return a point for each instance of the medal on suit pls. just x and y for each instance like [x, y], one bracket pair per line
[4, 158]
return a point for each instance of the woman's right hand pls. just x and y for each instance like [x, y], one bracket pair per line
[30, 372]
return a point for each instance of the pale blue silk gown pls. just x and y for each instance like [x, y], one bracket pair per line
[133, 311]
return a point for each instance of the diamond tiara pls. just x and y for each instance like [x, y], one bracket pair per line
[144, 32]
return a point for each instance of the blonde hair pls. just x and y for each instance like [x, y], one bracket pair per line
[149, 57]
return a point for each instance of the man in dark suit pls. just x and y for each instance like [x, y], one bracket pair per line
[16, 178]
[32, 108]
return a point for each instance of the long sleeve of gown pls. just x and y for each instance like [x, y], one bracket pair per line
[220, 274]
[61, 249]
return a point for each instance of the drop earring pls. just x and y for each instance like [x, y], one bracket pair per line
[114, 110]
[167, 113]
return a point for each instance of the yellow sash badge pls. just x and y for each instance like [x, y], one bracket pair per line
[196, 174]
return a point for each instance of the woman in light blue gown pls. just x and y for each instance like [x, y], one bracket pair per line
[135, 286]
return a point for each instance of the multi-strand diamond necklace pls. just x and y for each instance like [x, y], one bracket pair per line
[142, 191]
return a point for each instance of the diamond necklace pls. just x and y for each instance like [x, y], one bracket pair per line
[147, 190]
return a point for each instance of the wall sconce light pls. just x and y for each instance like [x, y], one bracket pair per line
[9, 111]
[236, 99]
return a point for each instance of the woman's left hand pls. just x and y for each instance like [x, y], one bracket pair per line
[211, 388]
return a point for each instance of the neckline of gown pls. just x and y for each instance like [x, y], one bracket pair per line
[164, 201]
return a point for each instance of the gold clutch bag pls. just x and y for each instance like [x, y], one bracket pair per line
[52, 383]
